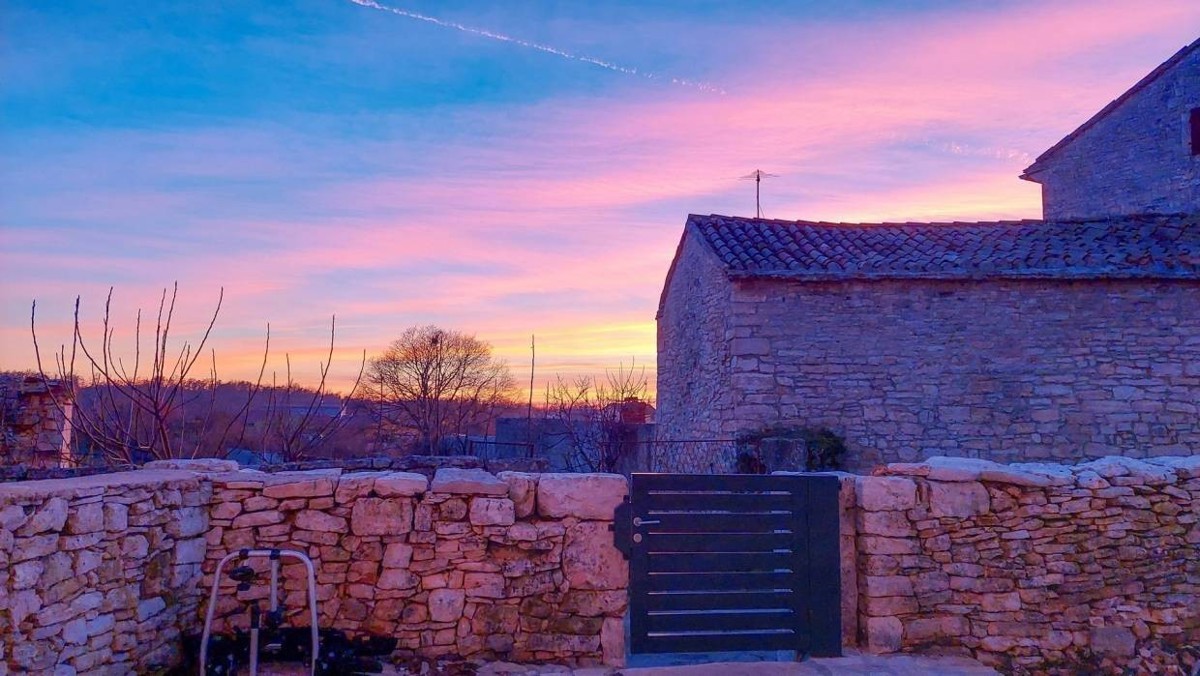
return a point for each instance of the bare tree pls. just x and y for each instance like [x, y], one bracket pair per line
[597, 419]
[299, 420]
[153, 407]
[433, 383]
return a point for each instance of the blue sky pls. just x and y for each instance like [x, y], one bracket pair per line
[325, 157]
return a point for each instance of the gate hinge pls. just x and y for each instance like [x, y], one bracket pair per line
[621, 528]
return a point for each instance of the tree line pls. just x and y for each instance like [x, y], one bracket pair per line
[429, 388]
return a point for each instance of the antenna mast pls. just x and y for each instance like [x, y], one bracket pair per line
[757, 176]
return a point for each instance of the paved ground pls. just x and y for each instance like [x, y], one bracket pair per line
[850, 665]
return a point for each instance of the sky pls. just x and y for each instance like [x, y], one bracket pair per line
[506, 169]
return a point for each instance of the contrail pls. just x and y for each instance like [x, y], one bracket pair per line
[616, 68]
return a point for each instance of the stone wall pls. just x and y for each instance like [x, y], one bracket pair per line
[517, 566]
[99, 574]
[35, 421]
[902, 370]
[1048, 568]
[693, 358]
[1135, 159]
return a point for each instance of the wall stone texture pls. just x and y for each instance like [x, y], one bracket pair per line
[100, 574]
[518, 567]
[1009, 370]
[1135, 159]
[1032, 568]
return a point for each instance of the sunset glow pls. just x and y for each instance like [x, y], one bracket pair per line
[330, 158]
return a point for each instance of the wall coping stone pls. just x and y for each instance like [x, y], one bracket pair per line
[1152, 471]
[44, 488]
[392, 484]
[201, 465]
[467, 482]
[586, 496]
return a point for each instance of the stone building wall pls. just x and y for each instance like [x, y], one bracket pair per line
[1000, 369]
[35, 421]
[1135, 159]
[518, 567]
[693, 358]
[99, 574]
[1091, 568]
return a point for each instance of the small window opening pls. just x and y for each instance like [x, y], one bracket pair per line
[1194, 123]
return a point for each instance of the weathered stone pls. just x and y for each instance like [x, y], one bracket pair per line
[590, 560]
[467, 482]
[446, 605]
[201, 465]
[150, 607]
[958, 499]
[1113, 641]
[308, 484]
[885, 493]
[88, 518]
[585, 496]
[50, 516]
[398, 484]
[492, 512]
[310, 519]
[884, 634]
[522, 490]
[486, 585]
[188, 522]
[397, 555]
[381, 516]
[612, 642]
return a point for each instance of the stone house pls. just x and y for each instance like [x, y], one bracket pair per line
[1071, 337]
[1139, 154]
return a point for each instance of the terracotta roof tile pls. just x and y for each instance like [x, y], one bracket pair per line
[1136, 247]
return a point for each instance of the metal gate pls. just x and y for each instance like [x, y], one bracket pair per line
[733, 563]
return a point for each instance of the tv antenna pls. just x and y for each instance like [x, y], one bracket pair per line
[757, 176]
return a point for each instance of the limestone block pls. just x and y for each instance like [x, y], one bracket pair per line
[888, 585]
[316, 483]
[86, 518]
[522, 490]
[939, 628]
[397, 555]
[1186, 467]
[885, 493]
[400, 484]
[150, 607]
[75, 631]
[884, 634]
[191, 551]
[446, 605]
[1113, 641]
[187, 522]
[51, 516]
[33, 547]
[492, 512]
[890, 524]
[612, 642]
[310, 519]
[252, 519]
[958, 499]
[590, 561]
[595, 603]
[200, 465]
[25, 575]
[585, 496]
[467, 482]
[397, 578]
[944, 468]
[12, 517]
[381, 516]
[355, 485]
[486, 585]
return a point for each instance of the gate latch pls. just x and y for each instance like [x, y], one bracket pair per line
[621, 528]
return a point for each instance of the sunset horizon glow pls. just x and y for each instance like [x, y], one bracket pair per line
[332, 158]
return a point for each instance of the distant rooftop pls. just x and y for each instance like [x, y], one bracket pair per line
[1134, 247]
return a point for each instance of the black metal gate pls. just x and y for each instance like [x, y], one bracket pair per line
[733, 563]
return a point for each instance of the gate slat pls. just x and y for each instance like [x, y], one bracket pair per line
[718, 581]
[715, 523]
[727, 621]
[717, 501]
[719, 601]
[723, 562]
[717, 642]
[718, 542]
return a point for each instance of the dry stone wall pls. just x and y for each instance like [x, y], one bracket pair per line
[1044, 568]
[513, 566]
[99, 574]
